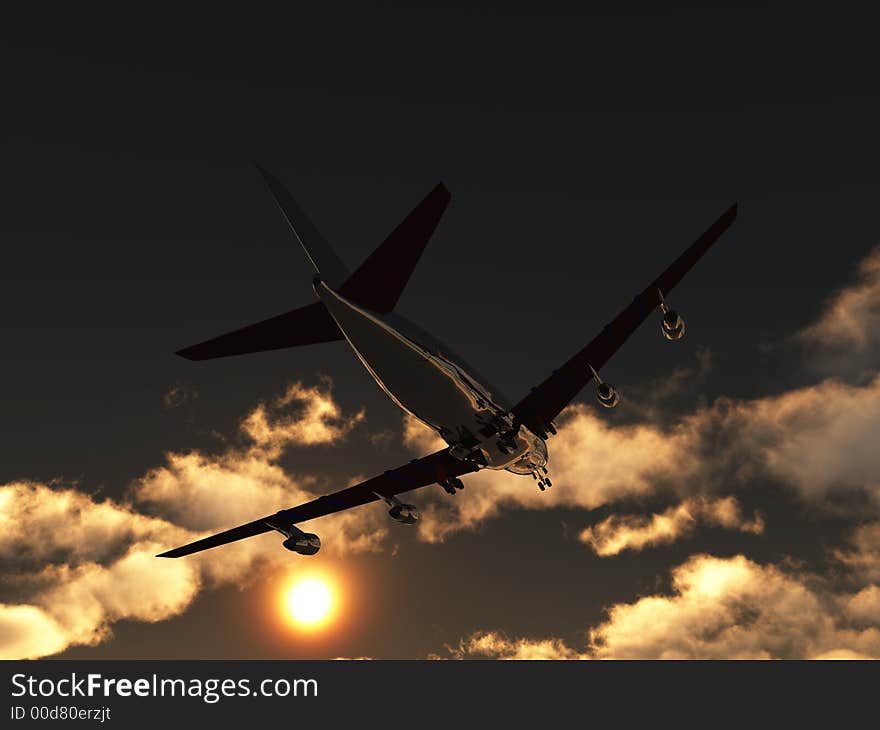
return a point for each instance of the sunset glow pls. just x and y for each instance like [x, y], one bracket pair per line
[310, 602]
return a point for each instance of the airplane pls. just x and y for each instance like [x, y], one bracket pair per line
[423, 376]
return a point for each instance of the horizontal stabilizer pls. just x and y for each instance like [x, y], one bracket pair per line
[304, 326]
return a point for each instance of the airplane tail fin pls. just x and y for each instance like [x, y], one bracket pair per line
[377, 283]
[322, 256]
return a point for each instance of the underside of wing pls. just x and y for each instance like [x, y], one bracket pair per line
[433, 469]
[546, 401]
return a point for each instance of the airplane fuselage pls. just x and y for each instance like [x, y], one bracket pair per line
[419, 375]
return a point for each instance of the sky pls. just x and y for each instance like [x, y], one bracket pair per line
[728, 508]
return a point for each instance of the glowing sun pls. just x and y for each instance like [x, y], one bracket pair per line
[310, 601]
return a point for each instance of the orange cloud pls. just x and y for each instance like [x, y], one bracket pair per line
[819, 441]
[29, 632]
[718, 608]
[730, 608]
[852, 317]
[497, 646]
[592, 464]
[862, 556]
[316, 419]
[629, 532]
[81, 564]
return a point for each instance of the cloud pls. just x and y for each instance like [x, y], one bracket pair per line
[630, 532]
[818, 441]
[864, 606]
[40, 525]
[851, 319]
[592, 464]
[28, 632]
[179, 394]
[496, 645]
[862, 556]
[77, 564]
[205, 492]
[419, 438]
[316, 419]
[718, 608]
[730, 608]
[842, 654]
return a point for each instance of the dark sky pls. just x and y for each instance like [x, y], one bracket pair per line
[583, 152]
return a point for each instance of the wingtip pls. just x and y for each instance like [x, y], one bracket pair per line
[187, 353]
[267, 176]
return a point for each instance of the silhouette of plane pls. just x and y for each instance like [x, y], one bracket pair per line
[422, 375]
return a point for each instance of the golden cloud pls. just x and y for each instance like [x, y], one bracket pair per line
[851, 318]
[862, 556]
[819, 441]
[28, 632]
[81, 564]
[631, 532]
[719, 608]
[317, 419]
[498, 646]
[592, 463]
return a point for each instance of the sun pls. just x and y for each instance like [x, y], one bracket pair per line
[310, 601]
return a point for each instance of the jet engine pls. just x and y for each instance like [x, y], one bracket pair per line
[672, 325]
[607, 395]
[303, 543]
[605, 392]
[406, 514]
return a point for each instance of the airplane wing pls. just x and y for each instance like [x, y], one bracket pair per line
[432, 469]
[546, 401]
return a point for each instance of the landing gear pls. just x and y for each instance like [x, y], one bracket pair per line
[542, 479]
[459, 452]
[451, 485]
